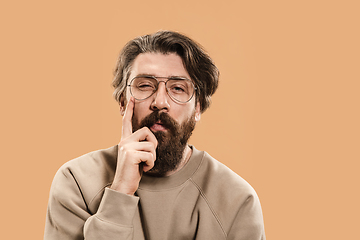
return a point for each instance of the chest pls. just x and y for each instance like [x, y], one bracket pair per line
[180, 213]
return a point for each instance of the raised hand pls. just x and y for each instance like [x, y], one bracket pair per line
[136, 153]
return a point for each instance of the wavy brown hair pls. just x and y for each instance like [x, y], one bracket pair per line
[197, 62]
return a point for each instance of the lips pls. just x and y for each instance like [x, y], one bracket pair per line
[158, 122]
[158, 126]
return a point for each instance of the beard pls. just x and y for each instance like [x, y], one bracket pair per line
[171, 143]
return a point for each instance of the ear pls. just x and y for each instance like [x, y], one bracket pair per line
[197, 112]
[122, 104]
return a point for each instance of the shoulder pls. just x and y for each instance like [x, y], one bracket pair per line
[86, 176]
[213, 174]
[92, 162]
[226, 193]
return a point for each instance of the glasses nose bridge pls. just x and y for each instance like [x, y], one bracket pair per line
[158, 85]
[160, 81]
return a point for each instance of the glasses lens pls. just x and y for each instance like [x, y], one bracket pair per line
[142, 87]
[181, 90]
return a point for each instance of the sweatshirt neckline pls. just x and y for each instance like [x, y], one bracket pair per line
[151, 183]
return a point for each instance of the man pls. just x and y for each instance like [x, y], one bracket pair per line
[153, 185]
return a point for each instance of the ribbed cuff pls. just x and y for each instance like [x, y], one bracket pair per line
[117, 208]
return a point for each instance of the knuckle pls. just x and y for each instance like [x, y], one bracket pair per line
[123, 148]
[145, 130]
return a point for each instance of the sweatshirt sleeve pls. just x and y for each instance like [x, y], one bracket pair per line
[112, 220]
[68, 215]
[248, 223]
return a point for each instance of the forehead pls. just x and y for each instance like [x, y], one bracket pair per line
[158, 64]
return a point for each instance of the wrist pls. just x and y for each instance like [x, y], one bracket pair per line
[122, 189]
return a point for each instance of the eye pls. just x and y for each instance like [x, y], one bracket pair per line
[178, 87]
[145, 84]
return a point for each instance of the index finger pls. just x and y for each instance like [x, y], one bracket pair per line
[127, 123]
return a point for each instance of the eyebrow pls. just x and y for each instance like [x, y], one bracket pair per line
[152, 75]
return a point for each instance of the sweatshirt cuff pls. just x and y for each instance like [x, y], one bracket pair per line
[117, 208]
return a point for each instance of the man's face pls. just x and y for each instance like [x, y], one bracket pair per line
[161, 65]
[171, 122]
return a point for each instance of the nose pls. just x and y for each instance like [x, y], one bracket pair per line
[161, 98]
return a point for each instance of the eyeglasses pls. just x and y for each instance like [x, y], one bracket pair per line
[179, 89]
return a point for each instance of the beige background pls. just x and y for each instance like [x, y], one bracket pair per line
[286, 115]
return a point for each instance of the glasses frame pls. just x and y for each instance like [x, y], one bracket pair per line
[165, 82]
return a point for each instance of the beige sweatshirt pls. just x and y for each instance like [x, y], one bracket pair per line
[204, 200]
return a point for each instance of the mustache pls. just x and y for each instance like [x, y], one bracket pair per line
[156, 116]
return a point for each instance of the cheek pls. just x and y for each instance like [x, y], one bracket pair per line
[135, 121]
[184, 114]
[141, 110]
